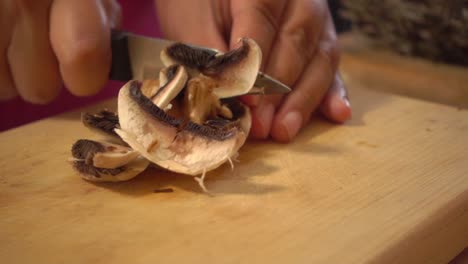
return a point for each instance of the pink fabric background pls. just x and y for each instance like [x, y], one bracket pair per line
[138, 17]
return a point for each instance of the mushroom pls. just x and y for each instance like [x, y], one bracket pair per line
[188, 121]
[102, 161]
[233, 73]
[178, 144]
[103, 123]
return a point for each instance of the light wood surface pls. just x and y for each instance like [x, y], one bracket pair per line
[390, 186]
[383, 70]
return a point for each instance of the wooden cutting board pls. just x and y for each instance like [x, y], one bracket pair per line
[390, 186]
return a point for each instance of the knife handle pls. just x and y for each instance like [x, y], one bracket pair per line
[120, 66]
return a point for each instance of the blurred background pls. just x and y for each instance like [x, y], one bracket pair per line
[432, 30]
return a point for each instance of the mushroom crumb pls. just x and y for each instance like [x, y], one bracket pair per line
[165, 190]
[188, 121]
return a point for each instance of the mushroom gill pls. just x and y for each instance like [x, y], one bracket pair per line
[102, 161]
[234, 73]
[103, 122]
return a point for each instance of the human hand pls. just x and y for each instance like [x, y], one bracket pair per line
[45, 42]
[299, 48]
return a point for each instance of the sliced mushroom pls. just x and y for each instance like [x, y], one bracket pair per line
[102, 161]
[233, 73]
[174, 143]
[102, 123]
[114, 156]
[187, 121]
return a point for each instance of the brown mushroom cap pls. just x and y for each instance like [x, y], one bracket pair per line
[234, 73]
[183, 147]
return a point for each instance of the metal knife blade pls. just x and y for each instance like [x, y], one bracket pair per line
[138, 57]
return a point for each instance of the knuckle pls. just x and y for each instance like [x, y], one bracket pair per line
[330, 50]
[299, 39]
[266, 10]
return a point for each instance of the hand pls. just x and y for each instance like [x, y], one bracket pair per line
[299, 47]
[46, 41]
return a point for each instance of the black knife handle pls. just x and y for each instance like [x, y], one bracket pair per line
[121, 69]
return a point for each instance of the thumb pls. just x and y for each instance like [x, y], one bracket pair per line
[258, 20]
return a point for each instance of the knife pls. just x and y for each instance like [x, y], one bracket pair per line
[138, 57]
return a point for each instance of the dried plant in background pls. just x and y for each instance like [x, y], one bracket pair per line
[433, 29]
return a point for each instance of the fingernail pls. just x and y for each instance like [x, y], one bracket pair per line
[291, 123]
[264, 115]
[347, 112]
[346, 101]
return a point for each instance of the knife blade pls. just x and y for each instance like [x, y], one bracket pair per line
[138, 57]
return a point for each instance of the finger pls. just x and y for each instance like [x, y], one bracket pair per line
[32, 62]
[262, 117]
[7, 87]
[197, 23]
[336, 106]
[259, 20]
[250, 100]
[308, 93]
[7, 91]
[296, 42]
[311, 86]
[80, 36]
[293, 48]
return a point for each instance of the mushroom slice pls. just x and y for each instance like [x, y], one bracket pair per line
[102, 161]
[174, 78]
[174, 144]
[103, 123]
[233, 73]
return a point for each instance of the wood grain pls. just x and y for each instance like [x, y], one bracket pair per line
[383, 70]
[391, 186]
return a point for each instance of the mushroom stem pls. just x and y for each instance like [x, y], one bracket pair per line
[176, 77]
[201, 181]
[201, 102]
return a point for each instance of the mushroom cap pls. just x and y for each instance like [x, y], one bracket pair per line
[234, 72]
[186, 148]
[106, 162]
[130, 171]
